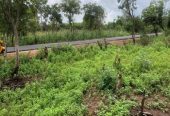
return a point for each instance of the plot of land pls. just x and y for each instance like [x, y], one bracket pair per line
[82, 81]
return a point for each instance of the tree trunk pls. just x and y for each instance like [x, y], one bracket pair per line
[71, 27]
[133, 30]
[162, 27]
[16, 69]
[143, 104]
[12, 39]
[155, 30]
[35, 38]
[71, 22]
[133, 37]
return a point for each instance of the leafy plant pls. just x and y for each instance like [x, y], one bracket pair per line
[145, 40]
[142, 64]
[119, 108]
[108, 80]
[68, 73]
[167, 41]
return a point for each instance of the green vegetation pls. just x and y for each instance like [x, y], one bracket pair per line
[154, 15]
[128, 7]
[66, 76]
[101, 80]
[65, 35]
[94, 16]
[71, 8]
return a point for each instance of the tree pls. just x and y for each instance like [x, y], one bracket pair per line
[125, 24]
[55, 16]
[94, 15]
[128, 7]
[168, 24]
[71, 8]
[46, 13]
[160, 11]
[40, 5]
[5, 26]
[33, 26]
[14, 14]
[168, 15]
[138, 27]
[153, 15]
[51, 14]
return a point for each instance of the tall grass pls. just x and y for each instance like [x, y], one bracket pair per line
[66, 35]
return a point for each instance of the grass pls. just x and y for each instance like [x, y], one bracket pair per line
[67, 74]
[65, 35]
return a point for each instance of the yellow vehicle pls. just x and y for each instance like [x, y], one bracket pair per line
[2, 48]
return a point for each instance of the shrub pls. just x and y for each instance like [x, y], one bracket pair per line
[43, 53]
[61, 49]
[145, 40]
[6, 69]
[32, 68]
[167, 41]
[167, 32]
[120, 108]
[159, 46]
[141, 64]
[108, 80]
[166, 91]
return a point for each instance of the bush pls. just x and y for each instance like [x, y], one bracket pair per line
[108, 80]
[167, 41]
[43, 53]
[141, 64]
[145, 40]
[5, 70]
[61, 49]
[167, 32]
[159, 46]
[120, 108]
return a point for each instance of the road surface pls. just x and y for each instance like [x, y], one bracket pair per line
[82, 42]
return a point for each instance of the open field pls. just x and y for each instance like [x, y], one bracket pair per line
[84, 57]
[86, 81]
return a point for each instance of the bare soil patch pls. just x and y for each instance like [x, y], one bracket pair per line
[165, 111]
[30, 53]
[92, 100]
[154, 112]
[18, 82]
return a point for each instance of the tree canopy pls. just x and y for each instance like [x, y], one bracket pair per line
[14, 16]
[128, 7]
[153, 15]
[94, 15]
[70, 8]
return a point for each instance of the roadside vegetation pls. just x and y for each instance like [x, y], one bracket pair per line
[65, 36]
[70, 81]
[128, 79]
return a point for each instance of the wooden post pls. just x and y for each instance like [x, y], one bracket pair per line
[142, 104]
[46, 52]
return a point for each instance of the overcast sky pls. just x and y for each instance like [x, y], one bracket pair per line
[110, 6]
